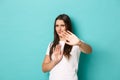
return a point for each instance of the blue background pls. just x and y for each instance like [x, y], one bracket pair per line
[26, 28]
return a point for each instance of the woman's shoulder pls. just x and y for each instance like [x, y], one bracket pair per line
[50, 44]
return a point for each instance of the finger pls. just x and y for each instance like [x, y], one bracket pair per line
[58, 48]
[67, 42]
[66, 33]
[61, 53]
[69, 32]
[53, 49]
[67, 38]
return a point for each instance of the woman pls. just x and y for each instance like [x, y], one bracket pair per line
[63, 53]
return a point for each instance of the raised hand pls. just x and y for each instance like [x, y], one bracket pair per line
[71, 39]
[57, 54]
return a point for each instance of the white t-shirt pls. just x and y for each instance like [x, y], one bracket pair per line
[66, 69]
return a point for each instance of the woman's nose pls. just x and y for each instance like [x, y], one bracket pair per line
[59, 28]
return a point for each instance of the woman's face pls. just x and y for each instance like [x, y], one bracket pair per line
[60, 27]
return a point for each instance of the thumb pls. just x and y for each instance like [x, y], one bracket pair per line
[67, 42]
[61, 55]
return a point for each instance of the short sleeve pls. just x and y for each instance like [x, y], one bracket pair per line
[48, 49]
[77, 49]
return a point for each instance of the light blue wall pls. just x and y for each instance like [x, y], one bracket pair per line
[26, 28]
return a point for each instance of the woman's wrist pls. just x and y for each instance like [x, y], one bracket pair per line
[79, 43]
[53, 63]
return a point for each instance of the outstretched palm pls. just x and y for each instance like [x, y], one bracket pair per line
[71, 39]
[57, 54]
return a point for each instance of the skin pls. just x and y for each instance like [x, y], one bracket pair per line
[70, 39]
[60, 28]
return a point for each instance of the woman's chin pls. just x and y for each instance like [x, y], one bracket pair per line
[60, 36]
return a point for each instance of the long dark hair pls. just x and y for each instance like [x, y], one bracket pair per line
[68, 25]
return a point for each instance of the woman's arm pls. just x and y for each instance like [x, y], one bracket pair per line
[85, 48]
[48, 64]
[72, 39]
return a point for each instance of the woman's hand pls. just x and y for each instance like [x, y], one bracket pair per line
[71, 39]
[57, 54]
